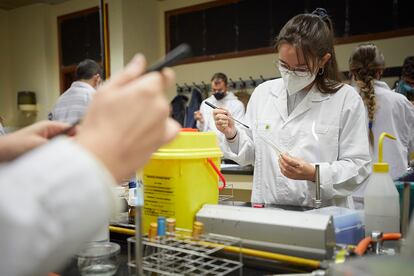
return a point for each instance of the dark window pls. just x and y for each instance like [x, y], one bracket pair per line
[253, 24]
[370, 16]
[80, 38]
[220, 31]
[404, 14]
[188, 27]
[231, 28]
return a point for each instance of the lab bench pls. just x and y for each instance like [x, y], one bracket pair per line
[123, 270]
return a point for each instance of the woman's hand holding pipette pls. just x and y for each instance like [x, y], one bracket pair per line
[224, 122]
[296, 168]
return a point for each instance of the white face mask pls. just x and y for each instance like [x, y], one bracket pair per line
[295, 83]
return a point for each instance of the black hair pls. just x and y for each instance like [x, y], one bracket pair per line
[88, 68]
[408, 67]
[219, 76]
[313, 35]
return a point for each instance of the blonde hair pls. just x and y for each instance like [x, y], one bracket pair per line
[366, 63]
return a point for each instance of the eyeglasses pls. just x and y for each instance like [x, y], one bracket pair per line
[300, 71]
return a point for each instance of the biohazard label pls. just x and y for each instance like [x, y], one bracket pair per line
[159, 196]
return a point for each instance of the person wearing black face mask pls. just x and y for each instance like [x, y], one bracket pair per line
[221, 98]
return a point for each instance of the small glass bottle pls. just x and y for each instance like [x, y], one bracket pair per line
[152, 232]
[198, 228]
[131, 200]
[170, 227]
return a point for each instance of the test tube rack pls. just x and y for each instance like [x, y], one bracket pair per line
[180, 254]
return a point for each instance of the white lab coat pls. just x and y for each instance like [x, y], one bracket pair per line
[328, 129]
[229, 102]
[52, 200]
[395, 115]
[72, 104]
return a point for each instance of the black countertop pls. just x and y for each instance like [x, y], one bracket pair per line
[231, 167]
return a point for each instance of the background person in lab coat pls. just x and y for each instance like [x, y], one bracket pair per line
[55, 197]
[72, 104]
[221, 98]
[387, 111]
[310, 115]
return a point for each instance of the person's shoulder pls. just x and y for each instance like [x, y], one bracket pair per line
[210, 99]
[347, 90]
[232, 97]
[385, 94]
[80, 86]
[348, 97]
[274, 86]
[270, 84]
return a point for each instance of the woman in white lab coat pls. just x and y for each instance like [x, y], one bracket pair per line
[387, 111]
[310, 116]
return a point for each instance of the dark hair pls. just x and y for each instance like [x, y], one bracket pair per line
[87, 68]
[408, 67]
[313, 35]
[219, 76]
[365, 63]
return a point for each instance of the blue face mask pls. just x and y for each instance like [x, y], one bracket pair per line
[405, 89]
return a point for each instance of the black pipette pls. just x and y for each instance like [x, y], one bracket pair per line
[215, 107]
[173, 57]
[180, 52]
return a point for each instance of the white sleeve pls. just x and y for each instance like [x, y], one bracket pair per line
[238, 111]
[241, 150]
[202, 126]
[340, 178]
[52, 200]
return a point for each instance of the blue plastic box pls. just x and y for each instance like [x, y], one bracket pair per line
[348, 223]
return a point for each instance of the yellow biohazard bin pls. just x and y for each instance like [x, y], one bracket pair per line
[181, 177]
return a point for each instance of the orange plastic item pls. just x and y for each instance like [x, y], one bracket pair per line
[186, 129]
[363, 245]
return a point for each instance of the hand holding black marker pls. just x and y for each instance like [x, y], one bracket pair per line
[180, 52]
[215, 107]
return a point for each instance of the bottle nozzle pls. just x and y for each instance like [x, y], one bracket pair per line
[380, 141]
[380, 166]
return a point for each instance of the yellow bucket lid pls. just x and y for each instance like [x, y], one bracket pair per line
[190, 145]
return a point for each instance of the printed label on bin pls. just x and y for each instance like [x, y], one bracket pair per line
[159, 196]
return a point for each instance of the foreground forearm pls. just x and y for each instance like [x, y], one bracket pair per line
[11, 147]
[55, 196]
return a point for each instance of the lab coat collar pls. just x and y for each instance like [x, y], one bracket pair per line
[381, 84]
[313, 96]
[82, 84]
[281, 101]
